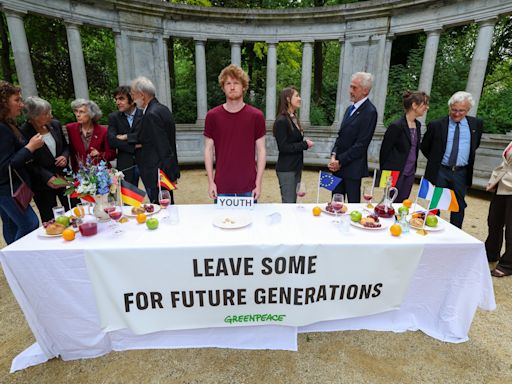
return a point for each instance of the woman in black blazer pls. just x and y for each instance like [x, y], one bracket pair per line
[49, 160]
[290, 143]
[401, 143]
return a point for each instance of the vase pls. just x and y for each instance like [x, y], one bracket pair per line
[99, 207]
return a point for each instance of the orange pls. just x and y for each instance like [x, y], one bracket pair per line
[78, 211]
[68, 234]
[407, 203]
[317, 211]
[141, 218]
[395, 229]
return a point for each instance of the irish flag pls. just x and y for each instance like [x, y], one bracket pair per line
[382, 178]
[441, 198]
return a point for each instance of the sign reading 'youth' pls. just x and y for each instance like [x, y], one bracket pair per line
[161, 289]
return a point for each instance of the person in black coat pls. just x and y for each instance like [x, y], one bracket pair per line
[450, 161]
[401, 143]
[290, 143]
[349, 155]
[49, 160]
[123, 129]
[157, 136]
[15, 152]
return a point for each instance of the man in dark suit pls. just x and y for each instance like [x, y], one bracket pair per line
[449, 146]
[157, 135]
[349, 158]
[123, 127]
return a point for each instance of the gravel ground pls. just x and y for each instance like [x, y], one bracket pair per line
[335, 357]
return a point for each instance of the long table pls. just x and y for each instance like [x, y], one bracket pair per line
[51, 282]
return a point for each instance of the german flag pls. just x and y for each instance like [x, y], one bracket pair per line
[131, 195]
[382, 178]
[164, 181]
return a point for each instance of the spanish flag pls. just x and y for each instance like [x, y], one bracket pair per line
[131, 195]
[382, 178]
[164, 181]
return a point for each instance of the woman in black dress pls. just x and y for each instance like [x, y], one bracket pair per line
[290, 143]
[401, 143]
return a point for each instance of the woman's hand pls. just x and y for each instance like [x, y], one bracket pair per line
[35, 142]
[94, 152]
[61, 161]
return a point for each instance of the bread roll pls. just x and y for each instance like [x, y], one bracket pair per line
[55, 229]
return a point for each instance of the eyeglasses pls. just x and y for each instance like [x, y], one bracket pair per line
[458, 110]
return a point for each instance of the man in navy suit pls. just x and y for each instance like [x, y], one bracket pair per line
[349, 157]
[449, 145]
[157, 135]
[123, 128]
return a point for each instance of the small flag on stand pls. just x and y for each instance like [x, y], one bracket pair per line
[164, 181]
[382, 178]
[131, 195]
[328, 181]
[441, 198]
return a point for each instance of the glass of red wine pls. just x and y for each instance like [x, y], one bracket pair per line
[300, 190]
[368, 196]
[337, 205]
[115, 214]
[164, 198]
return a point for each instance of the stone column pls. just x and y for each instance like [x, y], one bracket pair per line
[305, 84]
[236, 52]
[201, 79]
[429, 64]
[21, 52]
[121, 76]
[270, 95]
[381, 88]
[338, 113]
[165, 71]
[479, 62]
[76, 57]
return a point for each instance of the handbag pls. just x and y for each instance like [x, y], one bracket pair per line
[23, 194]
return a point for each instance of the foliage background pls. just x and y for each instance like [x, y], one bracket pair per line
[52, 70]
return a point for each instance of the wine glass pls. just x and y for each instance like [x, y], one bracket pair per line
[337, 205]
[368, 196]
[115, 214]
[164, 198]
[300, 190]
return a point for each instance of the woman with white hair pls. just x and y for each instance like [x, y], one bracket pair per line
[86, 136]
[49, 160]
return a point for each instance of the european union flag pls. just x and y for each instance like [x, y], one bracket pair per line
[328, 181]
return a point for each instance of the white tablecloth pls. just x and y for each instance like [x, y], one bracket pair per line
[55, 293]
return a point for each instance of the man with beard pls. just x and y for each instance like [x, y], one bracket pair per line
[235, 136]
[157, 136]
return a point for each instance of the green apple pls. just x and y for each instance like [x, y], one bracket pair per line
[64, 220]
[403, 210]
[356, 216]
[152, 223]
[431, 221]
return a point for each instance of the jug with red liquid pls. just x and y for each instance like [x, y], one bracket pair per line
[385, 207]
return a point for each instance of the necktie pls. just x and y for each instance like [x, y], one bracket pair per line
[452, 161]
[349, 112]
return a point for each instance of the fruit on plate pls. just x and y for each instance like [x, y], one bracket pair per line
[431, 221]
[330, 209]
[152, 223]
[371, 221]
[55, 229]
[149, 208]
[141, 218]
[416, 222]
[64, 220]
[137, 210]
[395, 229]
[68, 234]
[356, 216]
[407, 203]
[316, 211]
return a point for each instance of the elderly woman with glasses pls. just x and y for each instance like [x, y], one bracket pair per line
[15, 152]
[86, 137]
[49, 160]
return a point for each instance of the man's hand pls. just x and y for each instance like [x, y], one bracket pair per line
[334, 165]
[61, 161]
[256, 192]
[122, 137]
[137, 146]
[212, 190]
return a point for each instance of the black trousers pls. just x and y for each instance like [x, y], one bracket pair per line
[47, 199]
[499, 221]
[455, 180]
[350, 187]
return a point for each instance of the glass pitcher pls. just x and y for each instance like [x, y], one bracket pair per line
[385, 207]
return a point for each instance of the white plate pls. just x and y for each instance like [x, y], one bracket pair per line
[228, 221]
[127, 210]
[382, 226]
[41, 232]
[332, 213]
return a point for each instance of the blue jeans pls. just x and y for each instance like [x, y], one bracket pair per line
[15, 222]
